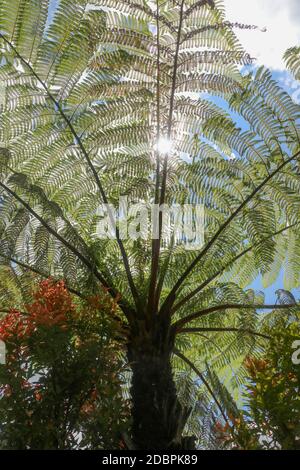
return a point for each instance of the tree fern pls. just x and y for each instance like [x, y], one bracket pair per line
[87, 97]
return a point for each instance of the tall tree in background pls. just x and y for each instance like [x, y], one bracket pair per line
[108, 98]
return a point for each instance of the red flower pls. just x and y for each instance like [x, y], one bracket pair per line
[52, 304]
[254, 365]
[14, 326]
[38, 396]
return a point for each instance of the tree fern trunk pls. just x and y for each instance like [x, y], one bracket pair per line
[158, 417]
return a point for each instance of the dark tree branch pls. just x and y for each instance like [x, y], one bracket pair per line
[55, 234]
[172, 99]
[201, 377]
[172, 295]
[164, 270]
[242, 330]
[155, 242]
[194, 316]
[153, 294]
[222, 25]
[88, 160]
[42, 274]
[220, 271]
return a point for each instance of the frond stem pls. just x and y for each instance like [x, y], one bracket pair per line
[172, 295]
[203, 379]
[90, 165]
[216, 308]
[241, 330]
[220, 271]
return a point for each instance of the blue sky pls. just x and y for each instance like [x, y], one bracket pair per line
[270, 296]
[52, 6]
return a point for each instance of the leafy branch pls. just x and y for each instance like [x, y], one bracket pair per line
[172, 295]
[216, 308]
[220, 271]
[203, 379]
[88, 160]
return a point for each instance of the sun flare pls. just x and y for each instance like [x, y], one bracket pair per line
[164, 145]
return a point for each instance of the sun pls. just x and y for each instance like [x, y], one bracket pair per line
[164, 145]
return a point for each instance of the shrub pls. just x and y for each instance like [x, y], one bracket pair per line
[61, 386]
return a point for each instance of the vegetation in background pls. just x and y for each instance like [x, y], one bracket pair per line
[271, 397]
[61, 386]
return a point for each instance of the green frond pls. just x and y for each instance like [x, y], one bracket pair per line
[292, 60]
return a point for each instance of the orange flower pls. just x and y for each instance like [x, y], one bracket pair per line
[14, 326]
[87, 408]
[254, 365]
[221, 428]
[38, 396]
[52, 304]
[94, 395]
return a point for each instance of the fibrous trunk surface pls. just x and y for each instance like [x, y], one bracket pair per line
[158, 417]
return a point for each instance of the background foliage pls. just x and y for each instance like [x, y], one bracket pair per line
[61, 386]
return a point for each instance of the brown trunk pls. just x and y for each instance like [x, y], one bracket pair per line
[158, 417]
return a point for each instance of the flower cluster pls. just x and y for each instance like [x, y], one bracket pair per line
[237, 433]
[52, 305]
[14, 326]
[254, 365]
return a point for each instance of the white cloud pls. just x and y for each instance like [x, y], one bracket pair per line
[280, 17]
